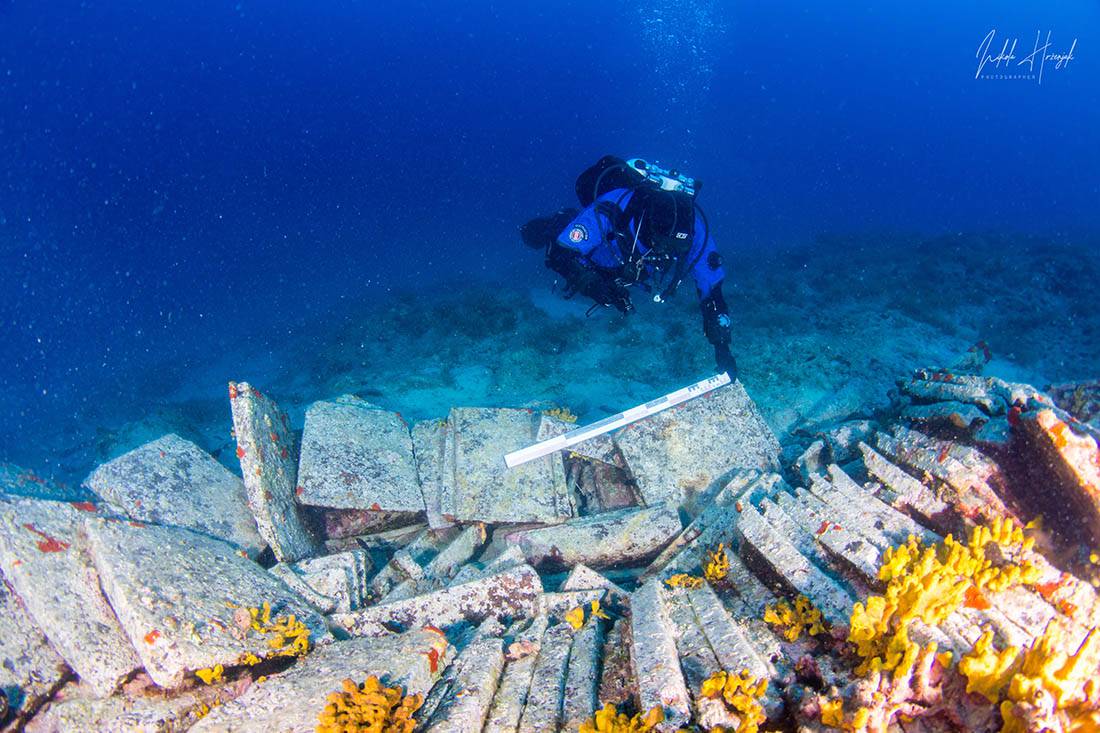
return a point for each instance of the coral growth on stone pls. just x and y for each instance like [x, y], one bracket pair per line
[718, 565]
[609, 720]
[794, 620]
[370, 706]
[741, 693]
[929, 584]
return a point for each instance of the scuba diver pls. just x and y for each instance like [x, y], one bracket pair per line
[640, 227]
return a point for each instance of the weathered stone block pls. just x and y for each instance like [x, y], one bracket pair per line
[269, 465]
[582, 679]
[730, 639]
[656, 661]
[513, 593]
[515, 683]
[627, 536]
[544, 701]
[556, 605]
[964, 476]
[148, 710]
[618, 683]
[684, 450]
[943, 386]
[907, 491]
[956, 415]
[1073, 461]
[471, 692]
[839, 489]
[697, 661]
[842, 440]
[485, 489]
[583, 577]
[429, 443]
[286, 573]
[173, 481]
[44, 556]
[174, 592]
[716, 523]
[291, 702]
[357, 456]
[30, 670]
[772, 554]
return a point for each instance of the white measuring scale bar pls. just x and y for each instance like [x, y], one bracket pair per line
[611, 422]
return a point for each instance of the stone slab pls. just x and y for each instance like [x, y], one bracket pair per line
[148, 711]
[172, 591]
[1074, 468]
[937, 385]
[457, 553]
[963, 476]
[268, 453]
[286, 573]
[656, 661]
[515, 683]
[341, 523]
[485, 489]
[511, 696]
[618, 683]
[697, 661]
[601, 448]
[730, 640]
[385, 541]
[769, 551]
[852, 514]
[684, 450]
[582, 680]
[583, 577]
[841, 440]
[444, 567]
[716, 524]
[357, 456]
[839, 488]
[429, 443]
[544, 701]
[471, 693]
[448, 500]
[556, 605]
[44, 556]
[782, 520]
[946, 415]
[408, 561]
[30, 670]
[172, 481]
[291, 702]
[843, 543]
[623, 537]
[512, 593]
[341, 576]
[908, 491]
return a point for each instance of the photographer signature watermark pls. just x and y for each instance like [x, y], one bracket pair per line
[998, 64]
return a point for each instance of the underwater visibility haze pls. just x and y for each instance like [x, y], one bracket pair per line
[582, 366]
[291, 191]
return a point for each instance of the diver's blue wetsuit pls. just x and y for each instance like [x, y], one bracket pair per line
[601, 261]
[592, 235]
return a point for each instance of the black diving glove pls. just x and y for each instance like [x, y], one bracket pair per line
[601, 287]
[724, 359]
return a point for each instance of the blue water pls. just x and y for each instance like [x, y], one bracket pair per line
[192, 192]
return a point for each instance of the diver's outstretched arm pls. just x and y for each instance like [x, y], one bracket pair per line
[587, 280]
